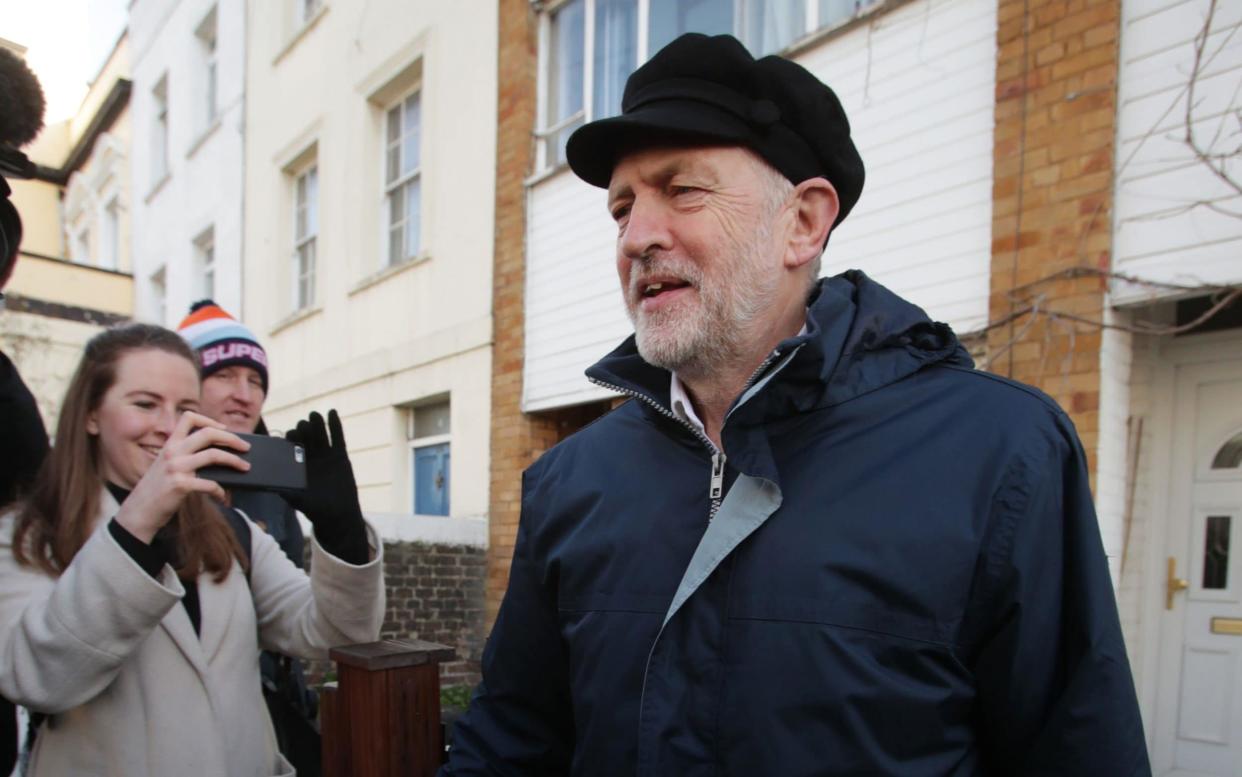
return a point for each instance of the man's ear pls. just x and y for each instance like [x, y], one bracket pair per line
[815, 207]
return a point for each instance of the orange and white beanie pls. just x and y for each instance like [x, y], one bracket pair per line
[221, 340]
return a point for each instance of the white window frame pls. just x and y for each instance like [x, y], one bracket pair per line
[414, 443]
[305, 243]
[403, 179]
[207, 34]
[546, 133]
[159, 132]
[205, 264]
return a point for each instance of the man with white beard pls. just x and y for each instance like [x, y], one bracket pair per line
[817, 542]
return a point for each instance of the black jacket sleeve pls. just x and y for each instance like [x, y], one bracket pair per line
[23, 438]
[1055, 692]
[520, 720]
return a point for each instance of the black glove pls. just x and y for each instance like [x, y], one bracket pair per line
[330, 500]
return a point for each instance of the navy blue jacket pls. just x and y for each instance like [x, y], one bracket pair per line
[905, 577]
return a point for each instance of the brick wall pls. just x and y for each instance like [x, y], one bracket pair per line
[435, 593]
[515, 440]
[1056, 100]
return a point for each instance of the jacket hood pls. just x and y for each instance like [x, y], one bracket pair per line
[859, 337]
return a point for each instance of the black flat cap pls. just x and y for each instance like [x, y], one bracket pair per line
[701, 89]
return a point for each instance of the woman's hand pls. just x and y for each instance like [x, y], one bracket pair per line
[330, 501]
[174, 474]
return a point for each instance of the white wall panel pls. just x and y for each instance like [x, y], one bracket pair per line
[1169, 227]
[918, 86]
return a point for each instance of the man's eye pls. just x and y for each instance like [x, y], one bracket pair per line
[145, 404]
[683, 189]
[620, 212]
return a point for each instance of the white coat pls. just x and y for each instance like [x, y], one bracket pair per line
[109, 653]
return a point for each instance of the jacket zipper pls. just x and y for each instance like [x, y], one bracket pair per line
[715, 486]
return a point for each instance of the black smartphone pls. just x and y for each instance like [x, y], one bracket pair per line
[275, 465]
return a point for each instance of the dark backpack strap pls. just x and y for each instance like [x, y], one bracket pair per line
[241, 528]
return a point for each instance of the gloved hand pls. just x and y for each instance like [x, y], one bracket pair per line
[330, 500]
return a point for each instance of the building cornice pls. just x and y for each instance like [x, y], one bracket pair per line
[113, 105]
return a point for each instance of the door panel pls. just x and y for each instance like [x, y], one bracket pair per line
[431, 480]
[1202, 668]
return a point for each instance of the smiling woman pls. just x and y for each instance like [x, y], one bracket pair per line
[131, 617]
[121, 407]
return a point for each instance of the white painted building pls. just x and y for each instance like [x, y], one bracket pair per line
[1170, 469]
[188, 119]
[369, 192]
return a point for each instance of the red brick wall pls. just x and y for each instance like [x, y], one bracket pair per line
[434, 593]
[1056, 102]
[517, 439]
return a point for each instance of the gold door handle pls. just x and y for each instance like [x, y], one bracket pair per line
[1174, 584]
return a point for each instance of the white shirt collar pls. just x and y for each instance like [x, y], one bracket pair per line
[683, 408]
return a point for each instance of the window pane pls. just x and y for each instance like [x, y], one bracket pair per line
[836, 11]
[305, 274]
[616, 53]
[312, 252]
[567, 62]
[770, 25]
[394, 124]
[1230, 454]
[396, 206]
[409, 144]
[556, 149]
[392, 166]
[672, 18]
[312, 201]
[396, 238]
[413, 199]
[432, 420]
[1216, 553]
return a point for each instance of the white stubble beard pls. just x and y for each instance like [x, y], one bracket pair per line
[700, 340]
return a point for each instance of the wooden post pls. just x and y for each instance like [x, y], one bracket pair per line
[383, 717]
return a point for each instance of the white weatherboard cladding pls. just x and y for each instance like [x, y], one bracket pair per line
[574, 310]
[918, 85]
[1168, 226]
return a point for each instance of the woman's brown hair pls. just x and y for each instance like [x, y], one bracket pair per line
[59, 513]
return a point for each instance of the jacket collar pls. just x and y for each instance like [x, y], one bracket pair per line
[860, 336]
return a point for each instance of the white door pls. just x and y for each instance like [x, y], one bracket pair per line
[1199, 709]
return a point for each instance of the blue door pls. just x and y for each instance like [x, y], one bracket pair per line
[431, 480]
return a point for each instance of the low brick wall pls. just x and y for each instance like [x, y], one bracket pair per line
[435, 593]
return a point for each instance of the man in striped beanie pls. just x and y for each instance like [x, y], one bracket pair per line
[233, 367]
[232, 363]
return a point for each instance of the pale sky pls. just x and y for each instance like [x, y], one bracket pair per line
[67, 42]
